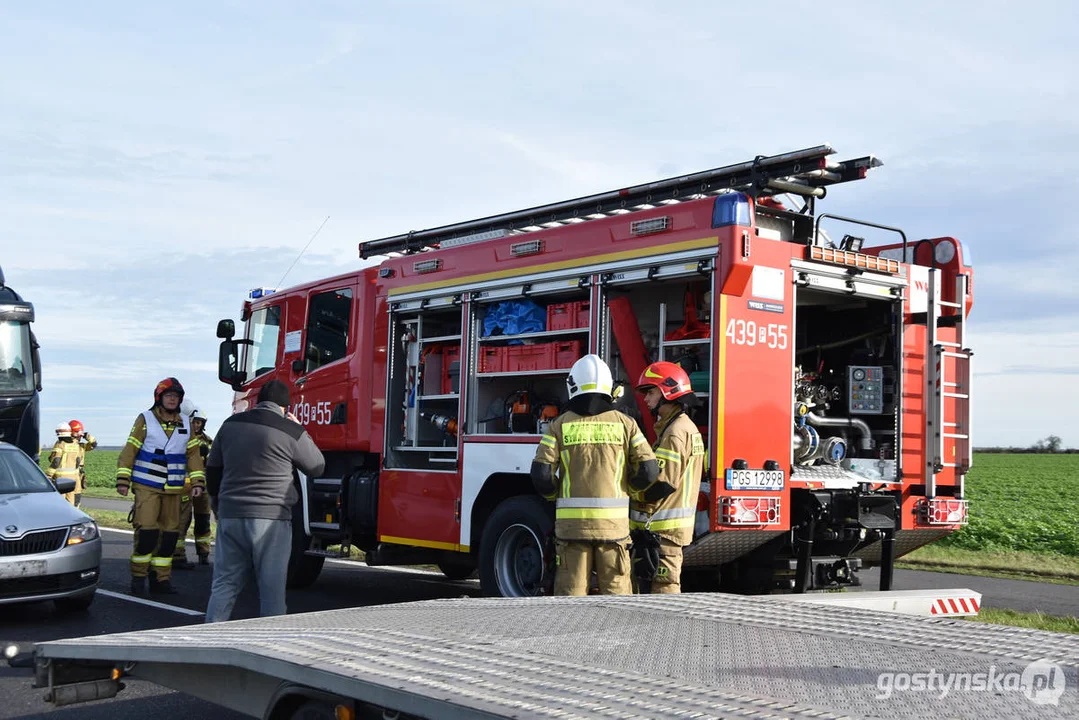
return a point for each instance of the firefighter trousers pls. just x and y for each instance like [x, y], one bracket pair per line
[199, 509]
[576, 560]
[668, 577]
[156, 519]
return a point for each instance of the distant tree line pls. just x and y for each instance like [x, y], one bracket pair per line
[1048, 444]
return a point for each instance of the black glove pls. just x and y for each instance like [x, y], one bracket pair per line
[645, 554]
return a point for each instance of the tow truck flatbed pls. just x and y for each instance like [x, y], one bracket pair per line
[673, 656]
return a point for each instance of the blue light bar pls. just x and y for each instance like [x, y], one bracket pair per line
[730, 209]
[261, 292]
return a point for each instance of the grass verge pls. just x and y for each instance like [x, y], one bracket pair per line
[1034, 621]
[118, 520]
[106, 493]
[1043, 567]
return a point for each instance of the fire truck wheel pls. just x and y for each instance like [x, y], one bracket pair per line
[303, 570]
[512, 558]
[457, 568]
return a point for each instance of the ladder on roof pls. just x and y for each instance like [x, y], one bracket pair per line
[944, 390]
[802, 172]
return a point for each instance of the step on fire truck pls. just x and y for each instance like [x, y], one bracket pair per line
[834, 376]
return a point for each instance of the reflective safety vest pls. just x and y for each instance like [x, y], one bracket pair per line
[680, 452]
[161, 462]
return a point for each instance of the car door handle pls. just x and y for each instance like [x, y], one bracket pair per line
[301, 381]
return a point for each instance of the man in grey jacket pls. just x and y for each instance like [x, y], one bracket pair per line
[249, 475]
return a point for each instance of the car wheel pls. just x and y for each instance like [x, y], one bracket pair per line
[79, 603]
[513, 557]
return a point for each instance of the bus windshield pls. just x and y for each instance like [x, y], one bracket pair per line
[16, 363]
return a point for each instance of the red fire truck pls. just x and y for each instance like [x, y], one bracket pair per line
[829, 354]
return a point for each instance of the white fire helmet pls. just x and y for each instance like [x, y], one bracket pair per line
[197, 414]
[63, 430]
[590, 375]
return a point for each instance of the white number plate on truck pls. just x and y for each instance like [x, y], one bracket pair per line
[754, 479]
[23, 568]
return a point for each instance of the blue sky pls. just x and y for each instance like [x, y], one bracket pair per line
[158, 161]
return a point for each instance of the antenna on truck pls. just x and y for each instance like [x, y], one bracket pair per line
[280, 283]
[803, 172]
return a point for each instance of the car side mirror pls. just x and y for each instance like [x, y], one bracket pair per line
[65, 486]
[298, 367]
[226, 329]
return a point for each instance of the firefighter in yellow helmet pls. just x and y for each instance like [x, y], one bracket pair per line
[662, 516]
[584, 462]
[159, 454]
[86, 443]
[64, 461]
[199, 507]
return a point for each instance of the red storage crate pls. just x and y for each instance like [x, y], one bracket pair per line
[492, 359]
[524, 358]
[567, 316]
[451, 369]
[566, 353]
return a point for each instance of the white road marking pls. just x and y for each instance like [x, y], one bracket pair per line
[150, 603]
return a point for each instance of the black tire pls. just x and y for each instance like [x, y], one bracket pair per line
[77, 604]
[513, 548]
[457, 566]
[303, 569]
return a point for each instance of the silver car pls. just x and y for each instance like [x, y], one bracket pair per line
[49, 550]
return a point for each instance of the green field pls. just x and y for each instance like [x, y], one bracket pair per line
[1022, 503]
[1018, 503]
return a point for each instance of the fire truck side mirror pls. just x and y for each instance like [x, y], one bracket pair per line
[226, 329]
[298, 366]
[228, 372]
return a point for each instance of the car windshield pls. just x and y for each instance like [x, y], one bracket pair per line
[16, 369]
[19, 474]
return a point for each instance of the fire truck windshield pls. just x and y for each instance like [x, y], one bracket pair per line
[16, 364]
[263, 329]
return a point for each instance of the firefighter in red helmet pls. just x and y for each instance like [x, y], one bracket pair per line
[657, 518]
[160, 453]
[86, 443]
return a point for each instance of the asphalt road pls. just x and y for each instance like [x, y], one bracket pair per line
[342, 584]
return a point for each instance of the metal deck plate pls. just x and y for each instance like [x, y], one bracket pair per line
[676, 656]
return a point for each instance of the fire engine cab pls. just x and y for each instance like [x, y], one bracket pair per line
[829, 354]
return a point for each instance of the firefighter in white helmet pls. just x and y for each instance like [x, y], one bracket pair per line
[584, 462]
[662, 516]
[64, 459]
[198, 507]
